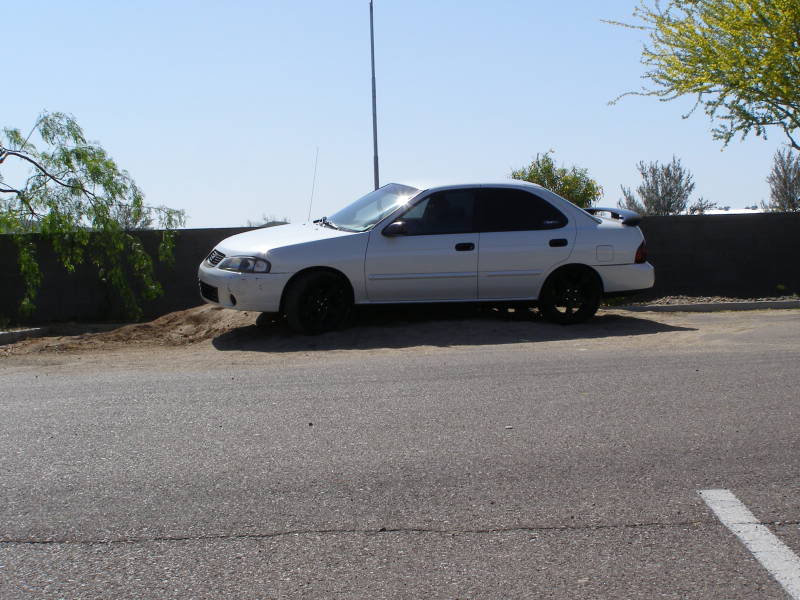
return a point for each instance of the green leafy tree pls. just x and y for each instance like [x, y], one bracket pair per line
[784, 183]
[572, 183]
[76, 196]
[665, 189]
[740, 60]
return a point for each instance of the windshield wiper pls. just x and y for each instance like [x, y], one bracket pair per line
[327, 223]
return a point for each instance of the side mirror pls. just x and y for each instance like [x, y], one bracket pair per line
[395, 229]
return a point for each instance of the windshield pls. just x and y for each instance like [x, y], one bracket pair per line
[372, 208]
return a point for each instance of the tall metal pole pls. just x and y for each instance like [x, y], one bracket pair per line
[374, 99]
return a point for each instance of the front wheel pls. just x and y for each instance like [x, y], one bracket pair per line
[318, 302]
[570, 296]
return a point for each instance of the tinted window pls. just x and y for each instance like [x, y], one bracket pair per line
[516, 210]
[451, 211]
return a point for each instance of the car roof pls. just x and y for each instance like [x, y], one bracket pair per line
[508, 183]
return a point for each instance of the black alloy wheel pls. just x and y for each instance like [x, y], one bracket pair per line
[570, 296]
[318, 302]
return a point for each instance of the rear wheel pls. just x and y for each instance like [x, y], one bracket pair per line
[570, 296]
[317, 302]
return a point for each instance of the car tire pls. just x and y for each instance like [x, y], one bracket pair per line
[570, 296]
[317, 302]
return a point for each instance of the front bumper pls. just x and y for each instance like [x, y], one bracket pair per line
[242, 291]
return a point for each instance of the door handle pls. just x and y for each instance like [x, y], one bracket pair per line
[558, 243]
[465, 247]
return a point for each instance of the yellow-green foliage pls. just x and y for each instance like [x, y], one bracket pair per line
[739, 58]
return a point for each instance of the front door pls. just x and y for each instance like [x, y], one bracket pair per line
[434, 259]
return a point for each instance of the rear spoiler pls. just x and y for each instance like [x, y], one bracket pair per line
[628, 217]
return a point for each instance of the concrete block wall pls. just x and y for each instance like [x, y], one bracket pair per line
[744, 256]
[81, 296]
[716, 255]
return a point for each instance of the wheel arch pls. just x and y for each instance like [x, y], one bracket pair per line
[573, 267]
[309, 270]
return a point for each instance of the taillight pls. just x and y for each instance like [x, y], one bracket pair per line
[641, 254]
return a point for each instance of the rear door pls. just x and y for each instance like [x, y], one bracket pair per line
[436, 260]
[522, 236]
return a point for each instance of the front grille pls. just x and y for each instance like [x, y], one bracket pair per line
[209, 292]
[215, 257]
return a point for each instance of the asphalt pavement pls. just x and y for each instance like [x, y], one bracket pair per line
[511, 460]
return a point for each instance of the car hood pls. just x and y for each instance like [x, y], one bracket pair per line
[261, 241]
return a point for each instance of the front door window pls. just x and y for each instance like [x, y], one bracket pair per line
[442, 213]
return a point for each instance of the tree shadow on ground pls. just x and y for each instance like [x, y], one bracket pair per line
[437, 325]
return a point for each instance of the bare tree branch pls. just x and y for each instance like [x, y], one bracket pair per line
[5, 152]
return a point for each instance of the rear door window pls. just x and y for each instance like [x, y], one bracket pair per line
[503, 209]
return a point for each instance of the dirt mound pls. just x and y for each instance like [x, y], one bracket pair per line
[173, 329]
[183, 327]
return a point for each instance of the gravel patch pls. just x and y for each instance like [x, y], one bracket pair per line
[667, 300]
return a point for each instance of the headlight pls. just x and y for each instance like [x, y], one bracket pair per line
[244, 264]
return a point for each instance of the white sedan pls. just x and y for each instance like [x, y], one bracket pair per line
[509, 242]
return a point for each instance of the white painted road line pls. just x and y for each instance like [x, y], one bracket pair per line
[774, 556]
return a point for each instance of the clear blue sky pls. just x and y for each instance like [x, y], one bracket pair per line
[217, 107]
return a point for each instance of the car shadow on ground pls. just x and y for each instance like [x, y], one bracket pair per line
[437, 325]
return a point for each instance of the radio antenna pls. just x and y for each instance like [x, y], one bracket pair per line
[313, 184]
